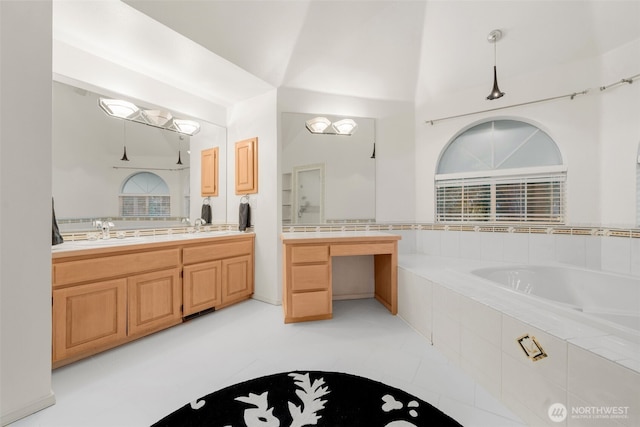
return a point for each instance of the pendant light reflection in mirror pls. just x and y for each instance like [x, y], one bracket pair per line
[124, 141]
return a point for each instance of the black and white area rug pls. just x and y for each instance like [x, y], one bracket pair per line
[308, 398]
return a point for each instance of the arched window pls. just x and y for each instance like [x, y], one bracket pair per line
[145, 194]
[501, 171]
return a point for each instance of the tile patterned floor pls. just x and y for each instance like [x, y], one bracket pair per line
[139, 383]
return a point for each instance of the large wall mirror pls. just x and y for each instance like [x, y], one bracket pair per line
[327, 177]
[90, 181]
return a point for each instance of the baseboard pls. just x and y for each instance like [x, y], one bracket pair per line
[267, 300]
[353, 296]
[25, 411]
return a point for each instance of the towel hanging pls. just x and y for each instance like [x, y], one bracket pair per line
[206, 213]
[244, 218]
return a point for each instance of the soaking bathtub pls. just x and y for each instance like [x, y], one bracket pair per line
[608, 299]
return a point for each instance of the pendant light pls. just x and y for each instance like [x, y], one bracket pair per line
[493, 37]
[124, 141]
[179, 162]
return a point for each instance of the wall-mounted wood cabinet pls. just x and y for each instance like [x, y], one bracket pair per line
[209, 172]
[246, 153]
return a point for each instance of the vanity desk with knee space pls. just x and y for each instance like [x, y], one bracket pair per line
[307, 278]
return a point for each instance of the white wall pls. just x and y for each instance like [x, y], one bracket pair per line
[583, 128]
[257, 117]
[25, 206]
[620, 135]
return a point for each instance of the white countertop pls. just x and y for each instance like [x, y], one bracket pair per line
[338, 235]
[68, 246]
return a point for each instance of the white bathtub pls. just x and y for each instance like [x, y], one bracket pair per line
[610, 299]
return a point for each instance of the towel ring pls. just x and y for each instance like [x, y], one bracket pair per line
[206, 200]
[244, 199]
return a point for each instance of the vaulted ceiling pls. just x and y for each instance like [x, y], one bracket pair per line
[377, 49]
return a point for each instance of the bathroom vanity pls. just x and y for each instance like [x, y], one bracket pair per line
[109, 292]
[307, 284]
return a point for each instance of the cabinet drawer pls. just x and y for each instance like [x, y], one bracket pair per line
[194, 254]
[310, 277]
[310, 304]
[86, 270]
[315, 253]
[362, 249]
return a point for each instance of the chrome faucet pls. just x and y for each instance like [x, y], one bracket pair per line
[105, 226]
[199, 223]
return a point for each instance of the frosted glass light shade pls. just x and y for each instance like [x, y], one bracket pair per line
[157, 117]
[188, 127]
[118, 107]
[345, 127]
[317, 124]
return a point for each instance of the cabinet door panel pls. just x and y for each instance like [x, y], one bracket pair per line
[209, 172]
[202, 287]
[247, 166]
[237, 278]
[154, 301]
[88, 317]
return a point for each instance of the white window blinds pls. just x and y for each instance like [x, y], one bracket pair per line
[537, 199]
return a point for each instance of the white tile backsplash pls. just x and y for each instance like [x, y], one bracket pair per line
[571, 249]
[492, 246]
[542, 248]
[616, 254]
[516, 248]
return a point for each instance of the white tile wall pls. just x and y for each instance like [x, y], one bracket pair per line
[516, 248]
[414, 299]
[608, 253]
[616, 254]
[592, 379]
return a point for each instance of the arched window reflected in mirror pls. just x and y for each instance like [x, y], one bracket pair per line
[145, 194]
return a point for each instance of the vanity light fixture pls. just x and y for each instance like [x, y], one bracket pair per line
[189, 127]
[345, 127]
[118, 108]
[317, 124]
[158, 118]
[493, 37]
[320, 125]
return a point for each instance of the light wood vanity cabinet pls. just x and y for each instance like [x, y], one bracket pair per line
[217, 275]
[103, 298]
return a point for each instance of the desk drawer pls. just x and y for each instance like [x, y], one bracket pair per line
[314, 253]
[310, 277]
[310, 304]
[362, 249]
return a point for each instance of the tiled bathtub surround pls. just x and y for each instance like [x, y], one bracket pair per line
[476, 326]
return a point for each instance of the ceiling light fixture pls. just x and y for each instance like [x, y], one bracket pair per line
[493, 37]
[317, 124]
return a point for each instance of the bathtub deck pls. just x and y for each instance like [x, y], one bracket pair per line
[476, 325]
